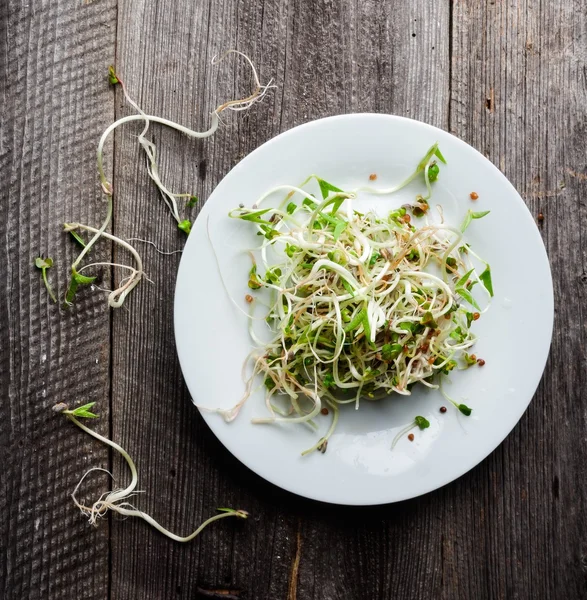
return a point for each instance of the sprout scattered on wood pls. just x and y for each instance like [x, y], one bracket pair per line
[117, 297]
[44, 264]
[116, 500]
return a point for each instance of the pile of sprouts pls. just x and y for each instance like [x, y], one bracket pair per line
[362, 305]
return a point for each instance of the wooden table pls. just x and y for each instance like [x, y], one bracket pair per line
[509, 77]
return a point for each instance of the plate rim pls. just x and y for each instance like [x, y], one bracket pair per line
[548, 288]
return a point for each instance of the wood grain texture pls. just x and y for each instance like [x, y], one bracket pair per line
[519, 96]
[55, 100]
[326, 58]
[508, 77]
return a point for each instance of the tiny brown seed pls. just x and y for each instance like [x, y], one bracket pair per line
[443, 409]
[249, 298]
[474, 195]
[411, 437]
[373, 176]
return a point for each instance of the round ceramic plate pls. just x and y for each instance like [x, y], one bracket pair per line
[360, 466]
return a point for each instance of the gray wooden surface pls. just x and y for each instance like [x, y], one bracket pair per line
[509, 77]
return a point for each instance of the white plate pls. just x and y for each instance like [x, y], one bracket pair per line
[359, 466]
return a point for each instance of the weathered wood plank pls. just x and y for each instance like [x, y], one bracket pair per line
[515, 527]
[519, 96]
[54, 102]
[326, 58]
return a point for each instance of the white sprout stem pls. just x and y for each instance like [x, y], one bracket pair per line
[141, 117]
[97, 234]
[128, 512]
[108, 236]
[129, 461]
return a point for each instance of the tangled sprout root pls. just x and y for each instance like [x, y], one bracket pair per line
[117, 297]
[116, 500]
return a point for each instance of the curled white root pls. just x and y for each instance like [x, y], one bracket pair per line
[116, 500]
[117, 297]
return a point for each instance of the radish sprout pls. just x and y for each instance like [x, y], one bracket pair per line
[115, 500]
[44, 264]
[357, 311]
[117, 297]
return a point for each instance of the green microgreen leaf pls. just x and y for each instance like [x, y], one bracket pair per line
[428, 320]
[422, 422]
[328, 380]
[390, 352]
[254, 282]
[76, 280]
[340, 227]
[465, 409]
[193, 200]
[253, 216]
[356, 321]
[463, 280]
[451, 262]
[407, 326]
[326, 188]
[82, 411]
[457, 335]
[78, 238]
[469, 360]
[291, 208]
[438, 154]
[433, 172]
[185, 226]
[112, 77]
[44, 264]
[485, 278]
[472, 215]
[468, 297]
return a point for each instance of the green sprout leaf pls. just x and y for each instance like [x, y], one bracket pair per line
[390, 352]
[78, 238]
[433, 172]
[192, 202]
[112, 77]
[469, 360]
[328, 380]
[44, 264]
[185, 226]
[465, 409]
[463, 280]
[422, 422]
[76, 281]
[468, 297]
[438, 154]
[458, 335]
[485, 278]
[254, 282]
[243, 514]
[340, 227]
[428, 320]
[291, 208]
[472, 215]
[326, 188]
[82, 411]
